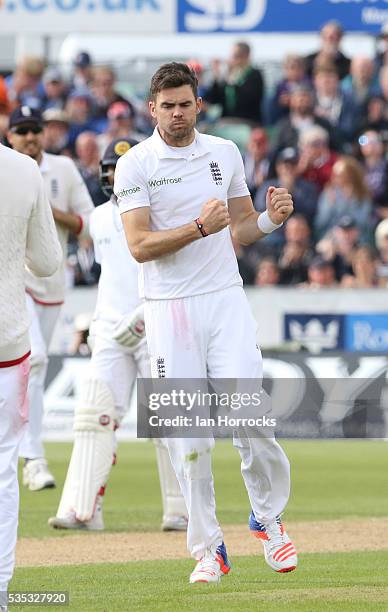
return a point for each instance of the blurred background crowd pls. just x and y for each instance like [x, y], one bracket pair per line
[320, 129]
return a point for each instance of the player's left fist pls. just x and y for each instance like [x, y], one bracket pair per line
[279, 204]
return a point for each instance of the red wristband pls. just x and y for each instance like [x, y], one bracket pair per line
[200, 227]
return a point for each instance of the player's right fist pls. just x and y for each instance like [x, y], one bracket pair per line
[214, 216]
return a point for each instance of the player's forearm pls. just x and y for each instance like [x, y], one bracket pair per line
[71, 221]
[245, 232]
[148, 245]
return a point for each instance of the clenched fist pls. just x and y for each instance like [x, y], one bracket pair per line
[214, 216]
[279, 204]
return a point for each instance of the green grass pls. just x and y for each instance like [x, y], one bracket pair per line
[330, 582]
[330, 479]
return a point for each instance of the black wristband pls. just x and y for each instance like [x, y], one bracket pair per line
[200, 227]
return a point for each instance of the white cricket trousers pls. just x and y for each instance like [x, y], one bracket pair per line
[43, 320]
[13, 420]
[214, 336]
[118, 367]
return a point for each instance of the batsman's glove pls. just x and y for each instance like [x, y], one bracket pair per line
[130, 330]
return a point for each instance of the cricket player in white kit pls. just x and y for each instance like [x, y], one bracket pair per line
[28, 236]
[181, 194]
[119, 355]
[71, 206]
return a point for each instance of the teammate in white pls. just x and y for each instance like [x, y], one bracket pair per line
[71, 206]
[28, 236]
[119, 355]
[181, 194]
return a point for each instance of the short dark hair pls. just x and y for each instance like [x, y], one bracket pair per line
[173, 74]
[244, 48]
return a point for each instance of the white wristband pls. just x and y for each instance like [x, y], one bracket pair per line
[265, 224]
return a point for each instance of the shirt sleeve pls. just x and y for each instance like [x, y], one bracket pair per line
[238, 185]
[81, 203]
[92, 228]
[130, 184]
[43, 251]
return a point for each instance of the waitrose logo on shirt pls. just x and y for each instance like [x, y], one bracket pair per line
[127, 192]
[164, 181]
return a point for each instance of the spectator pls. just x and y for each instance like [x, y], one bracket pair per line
[82, 74]
[256, 160]
[5, 108]
[88, 163]
[79, 110]
[333, 104]
[246, 270]
[241, 92]
[331, 35]
[56, 132]
[104, 93]
[304, 193]
[25, 85]
[364, 268]
[376, 170]
[376, 117]
[347, 194]
[339, 245]
[267, 273]
[316, 159]
[381, 58]
[320, 274]
[301, 118]
[55, 90]
[294, 69]
[86, 271]
[297, 252]
[381, 238]
[121, 124]
[360, 83]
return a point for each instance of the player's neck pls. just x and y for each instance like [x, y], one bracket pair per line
[173, 142]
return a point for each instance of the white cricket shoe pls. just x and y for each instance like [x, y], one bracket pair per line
[37, 476]
[212, 566]
[175, 523]
[3, 608]
[279, 551]
[96, 523]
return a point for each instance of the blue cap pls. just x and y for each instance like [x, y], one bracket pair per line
[82, 59]
[25, 114]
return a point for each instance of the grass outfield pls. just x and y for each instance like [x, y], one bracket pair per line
[349, 581]
[330, 480]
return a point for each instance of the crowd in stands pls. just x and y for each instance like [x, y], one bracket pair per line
[321, 132]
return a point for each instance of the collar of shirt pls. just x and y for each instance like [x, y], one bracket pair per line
[164, 151]
[44, 165]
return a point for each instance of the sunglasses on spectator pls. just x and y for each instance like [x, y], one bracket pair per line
[24, 129]
[365, 140]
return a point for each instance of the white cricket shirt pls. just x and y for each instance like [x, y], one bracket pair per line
[27, 235]
[118, 285]
[68, 193]
[175, 183]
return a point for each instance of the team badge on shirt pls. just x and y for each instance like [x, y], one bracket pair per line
[54, 188]
[161, 368]
[216, 173]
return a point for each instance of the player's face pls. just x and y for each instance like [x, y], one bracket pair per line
[175, 111]
[27, 139]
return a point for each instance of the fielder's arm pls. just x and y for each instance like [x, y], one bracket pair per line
[247, 225]
[146, 245]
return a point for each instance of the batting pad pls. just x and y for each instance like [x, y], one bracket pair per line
[93, 449]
